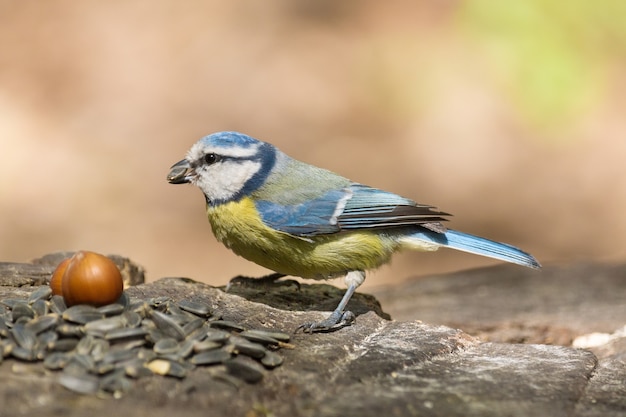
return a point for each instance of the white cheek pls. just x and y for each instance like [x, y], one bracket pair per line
[223, 181]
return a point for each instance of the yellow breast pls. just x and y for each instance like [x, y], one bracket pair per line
[238, 226]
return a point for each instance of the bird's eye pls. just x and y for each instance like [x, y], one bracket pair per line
[211, 158]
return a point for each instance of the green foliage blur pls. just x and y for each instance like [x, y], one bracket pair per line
[552, 57]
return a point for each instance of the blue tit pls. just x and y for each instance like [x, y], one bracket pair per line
[300, 220]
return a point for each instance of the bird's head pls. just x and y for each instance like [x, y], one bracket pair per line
[226, 166]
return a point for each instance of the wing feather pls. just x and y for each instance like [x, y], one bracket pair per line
[351, 208]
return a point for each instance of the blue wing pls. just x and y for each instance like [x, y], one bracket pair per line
[351, 208]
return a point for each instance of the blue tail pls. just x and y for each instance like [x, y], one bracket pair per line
[477, 245]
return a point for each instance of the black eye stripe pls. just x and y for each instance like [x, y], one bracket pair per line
[213, 158]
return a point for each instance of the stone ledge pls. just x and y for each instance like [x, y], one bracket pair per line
[376, 367]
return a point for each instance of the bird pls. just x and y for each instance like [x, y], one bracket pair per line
[301, 220]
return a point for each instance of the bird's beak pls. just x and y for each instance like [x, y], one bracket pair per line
[180, 173]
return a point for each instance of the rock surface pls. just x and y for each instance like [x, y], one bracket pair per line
[511, 304]
[377, 366]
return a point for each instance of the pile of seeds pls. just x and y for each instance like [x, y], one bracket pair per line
[103, 349]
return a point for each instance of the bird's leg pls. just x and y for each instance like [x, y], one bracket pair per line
[340, 317]
[259, 282]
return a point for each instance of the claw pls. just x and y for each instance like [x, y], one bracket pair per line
[335, 321]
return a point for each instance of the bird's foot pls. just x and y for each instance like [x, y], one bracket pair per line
[264, 281]
[336, 321]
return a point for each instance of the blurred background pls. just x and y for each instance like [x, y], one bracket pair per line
[510, 115]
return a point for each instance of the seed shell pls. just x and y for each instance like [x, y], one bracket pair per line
[111, 309]
[210, 357]
[247, 348]
[271, 359]
[63, 345]
[82, 314]
[166, 346]
[56, 360]
[167, 368]
[104, 325]
[168, 325]
[126, 333]
[57, 304]
[245, 370]
[194, 307]
[21, 310]
[40, 307]
[42, 323]
[82, 384]
[227, 325]
[24, 337]
[258, 337]
[42, 293]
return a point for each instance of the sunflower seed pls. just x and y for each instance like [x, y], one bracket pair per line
[194, 307]
[82, 314]
[116, 383]
[137, 369]
[41, 293]
[199, 333]
[168, 368]
[271, 359]
[205, 345]
[47, 337]
[70, 330]
[280, 336]
[6, 347]
[167, 325]
[140, 307]
[21, 310]
[115, 356]
[82, 384]
[247, 348]
[126, 333]
[4, 329]
[85, 345]
[80, 363]
[193, 325]
[99, 349]
[23, 354]
[210, 357]
[56, 360]
[258, 337]
[11, 302]
[217, 336]
[24, 337]
[243, 369]
[131, 318]
[185, 348]
[111, 309]
[146, 355]
[178, 314]
[104, 325]
[103, 368]
[40, 307]
[42, 323]
[63, 345]
[166, 346]
[157, 302]
[226, 325]
[57, 304]
[124, 300]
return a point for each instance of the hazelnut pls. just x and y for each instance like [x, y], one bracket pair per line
[87, 278]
